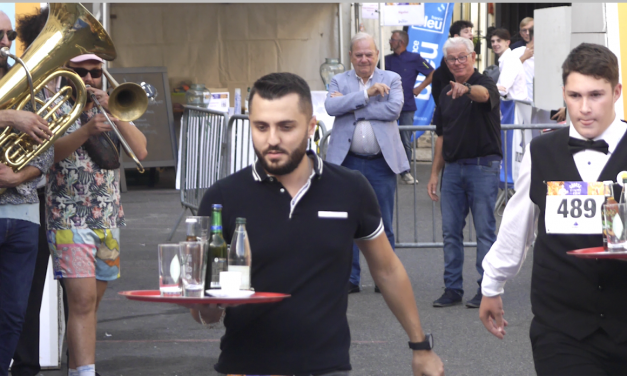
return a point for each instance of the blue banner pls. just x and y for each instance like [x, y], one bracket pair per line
[428, 41]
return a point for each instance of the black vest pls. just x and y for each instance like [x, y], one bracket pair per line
[573, 295]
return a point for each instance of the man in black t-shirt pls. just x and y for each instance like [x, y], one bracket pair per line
[302, 216]
[469, 143]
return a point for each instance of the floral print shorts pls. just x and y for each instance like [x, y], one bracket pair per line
[84, 253]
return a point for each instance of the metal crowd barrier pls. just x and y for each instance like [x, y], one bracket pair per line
[420, 195]
[202, 133]
[216, 145]
[237, 151]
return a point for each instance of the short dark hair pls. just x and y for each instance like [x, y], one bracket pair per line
[458, 26]
[501, 33]
[29, 26]
[278, 85]
[592, 60]
[403, 34]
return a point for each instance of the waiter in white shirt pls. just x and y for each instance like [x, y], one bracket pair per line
[525, 54]
[511, 83]
[579, 305]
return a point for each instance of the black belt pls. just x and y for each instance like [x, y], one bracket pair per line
[479, 161]
[369, 157]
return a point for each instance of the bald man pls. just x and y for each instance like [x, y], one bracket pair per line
[19, 217]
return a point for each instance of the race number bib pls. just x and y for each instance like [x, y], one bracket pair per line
[574, 207]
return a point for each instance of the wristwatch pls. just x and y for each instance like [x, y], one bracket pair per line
[427, 344]
[468, 86]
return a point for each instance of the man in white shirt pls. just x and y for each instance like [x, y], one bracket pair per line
[525, 54]
[511, 82]
[579, 306]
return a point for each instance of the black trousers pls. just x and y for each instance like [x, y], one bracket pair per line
[26, 356]
[557, 354]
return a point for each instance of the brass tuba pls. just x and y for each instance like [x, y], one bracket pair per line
[70, 31]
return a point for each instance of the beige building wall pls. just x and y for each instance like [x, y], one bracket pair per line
[226, 45]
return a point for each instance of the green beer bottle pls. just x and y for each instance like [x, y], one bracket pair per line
[217, 249]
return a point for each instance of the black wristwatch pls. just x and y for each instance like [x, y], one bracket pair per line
[427, 344]
[469, 87]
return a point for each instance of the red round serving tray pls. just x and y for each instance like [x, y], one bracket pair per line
[155, 296]
[598, 253]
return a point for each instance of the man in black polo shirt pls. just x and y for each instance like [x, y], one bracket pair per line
[469, 143]
[579, 324]
[303, 215]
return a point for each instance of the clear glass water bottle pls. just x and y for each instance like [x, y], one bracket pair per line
[240, 258]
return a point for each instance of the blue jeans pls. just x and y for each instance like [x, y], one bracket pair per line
[18, 251]
[407, 118]
[464, 187]
[383, 181]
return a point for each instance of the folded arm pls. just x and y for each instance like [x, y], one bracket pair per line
[345, 103]
[387, 109]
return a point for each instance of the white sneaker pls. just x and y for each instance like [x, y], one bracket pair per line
[408, 179]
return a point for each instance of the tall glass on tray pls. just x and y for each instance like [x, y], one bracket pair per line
[199, 229]
[169, 270]
[192, 255]
[217, 249]
[615, 218]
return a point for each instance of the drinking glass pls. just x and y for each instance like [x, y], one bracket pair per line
[169, 270]
[614, 220]
[198, 227]
[193, 268]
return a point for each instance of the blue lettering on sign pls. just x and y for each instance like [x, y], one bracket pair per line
[427, 40]
[435, 21]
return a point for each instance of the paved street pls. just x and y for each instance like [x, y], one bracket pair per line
[136, 338]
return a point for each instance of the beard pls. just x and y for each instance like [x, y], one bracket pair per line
[293, 160]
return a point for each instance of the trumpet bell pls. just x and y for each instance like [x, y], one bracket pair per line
[128, 101]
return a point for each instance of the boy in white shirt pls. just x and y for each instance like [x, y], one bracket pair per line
[579, 306]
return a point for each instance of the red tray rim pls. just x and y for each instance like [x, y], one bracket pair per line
[155, 296]
[597, 252]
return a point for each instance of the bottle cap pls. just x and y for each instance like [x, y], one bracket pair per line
[621, 178]
[240, 221]
[217, 206]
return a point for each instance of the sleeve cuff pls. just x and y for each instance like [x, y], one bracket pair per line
[376, 232]
[491, 287]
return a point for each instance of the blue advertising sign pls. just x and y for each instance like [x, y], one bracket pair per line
[427, 40]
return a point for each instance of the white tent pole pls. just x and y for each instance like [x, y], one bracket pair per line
[340, 31]
[381, 58]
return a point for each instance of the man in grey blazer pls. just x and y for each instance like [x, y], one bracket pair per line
[366, 103]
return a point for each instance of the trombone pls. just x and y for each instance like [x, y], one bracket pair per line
[127, 102]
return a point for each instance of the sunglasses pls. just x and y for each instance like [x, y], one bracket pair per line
[11, 34]
[95, 73]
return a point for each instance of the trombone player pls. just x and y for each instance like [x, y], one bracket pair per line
[84, 213]
[19, 218]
